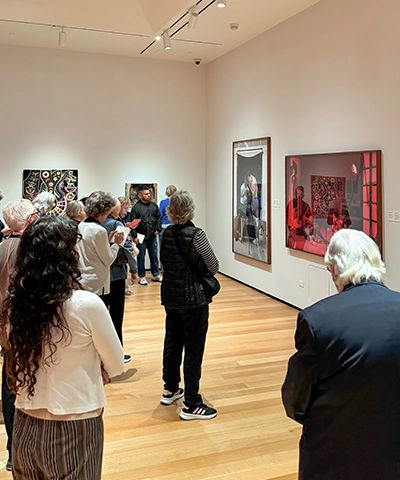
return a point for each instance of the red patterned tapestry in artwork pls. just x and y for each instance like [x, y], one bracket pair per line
[324, 191]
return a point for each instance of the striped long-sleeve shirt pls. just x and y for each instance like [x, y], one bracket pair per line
[204, 249]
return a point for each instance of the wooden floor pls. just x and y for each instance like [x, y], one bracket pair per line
[249, 342]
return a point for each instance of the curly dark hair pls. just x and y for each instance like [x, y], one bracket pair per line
[32, 321]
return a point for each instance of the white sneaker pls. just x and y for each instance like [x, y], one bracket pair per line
[143, 281]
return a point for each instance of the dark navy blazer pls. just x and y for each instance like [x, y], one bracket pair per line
[343, 385]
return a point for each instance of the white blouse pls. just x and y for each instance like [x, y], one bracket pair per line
[72, 383]
[95, 257]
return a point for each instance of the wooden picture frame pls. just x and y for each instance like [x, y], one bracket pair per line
[329, 191]
[251, 198]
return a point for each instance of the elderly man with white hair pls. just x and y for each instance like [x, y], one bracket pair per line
[343, 383]
[17, 214]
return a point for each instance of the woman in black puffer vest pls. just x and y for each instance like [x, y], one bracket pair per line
[184, 248]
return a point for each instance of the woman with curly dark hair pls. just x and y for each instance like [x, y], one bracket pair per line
[57, 340]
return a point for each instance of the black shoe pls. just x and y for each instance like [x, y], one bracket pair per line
[127, 358]
[201, 412]
[9, 465]
[170, 397]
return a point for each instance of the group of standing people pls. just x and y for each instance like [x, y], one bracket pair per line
[62, 292]
[60, 345]
[153, 221]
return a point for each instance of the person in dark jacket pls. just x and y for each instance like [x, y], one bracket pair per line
[343, 384]
[184, 248]
[150, 227]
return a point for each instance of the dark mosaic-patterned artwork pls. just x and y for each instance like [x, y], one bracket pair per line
[62, 183]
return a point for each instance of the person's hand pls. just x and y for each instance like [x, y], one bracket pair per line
[134, 278]
[104, 375]
[119, 238]
[7, 231]
[155, 233]
[135, 240]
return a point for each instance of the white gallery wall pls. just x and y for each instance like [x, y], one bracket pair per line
[326, 80]
[115, 119]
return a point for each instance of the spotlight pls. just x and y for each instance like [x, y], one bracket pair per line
[62, 38]
[193, 16]
[166, 40]
[158, 38]
[221, 3]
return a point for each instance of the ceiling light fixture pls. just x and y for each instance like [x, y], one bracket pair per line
[221, 3]
[166, 40]
[62, 38]
[158, 38]
[193, 16]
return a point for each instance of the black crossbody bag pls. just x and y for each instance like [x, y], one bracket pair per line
[210, 284]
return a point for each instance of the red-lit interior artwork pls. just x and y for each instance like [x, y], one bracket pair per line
[328, 192]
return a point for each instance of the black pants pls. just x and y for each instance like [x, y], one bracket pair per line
[7, 401]
[185, 328]
[115, 302]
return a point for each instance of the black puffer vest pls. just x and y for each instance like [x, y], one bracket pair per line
[180, 286]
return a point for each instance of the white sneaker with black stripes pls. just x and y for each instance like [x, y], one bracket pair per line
[168, 397]
[200, 412]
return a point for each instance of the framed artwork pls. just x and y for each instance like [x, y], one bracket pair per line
[132, 190]
[251, 198]
[61, 183]
[330, 191]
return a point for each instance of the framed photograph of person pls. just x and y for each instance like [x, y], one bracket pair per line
[251, 198]
[329, 191]
[132, 191]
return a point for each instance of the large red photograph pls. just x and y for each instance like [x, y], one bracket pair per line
[330, 191]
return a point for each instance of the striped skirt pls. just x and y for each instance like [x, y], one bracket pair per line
[57, 450]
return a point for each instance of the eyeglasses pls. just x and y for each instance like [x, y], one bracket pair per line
[33, 213]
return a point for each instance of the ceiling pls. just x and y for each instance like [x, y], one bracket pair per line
[129, 27]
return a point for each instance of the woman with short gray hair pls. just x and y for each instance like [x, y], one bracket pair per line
[185, 251]
[76, 211]
[44, 202]
[96, 250]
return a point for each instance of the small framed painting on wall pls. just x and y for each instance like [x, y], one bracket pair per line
[132, 191]
[62, 183]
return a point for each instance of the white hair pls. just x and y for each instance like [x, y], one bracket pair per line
[356, 257]
[44, 202]
[17, 212]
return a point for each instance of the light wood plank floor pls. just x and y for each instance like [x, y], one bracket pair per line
[249, 342]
